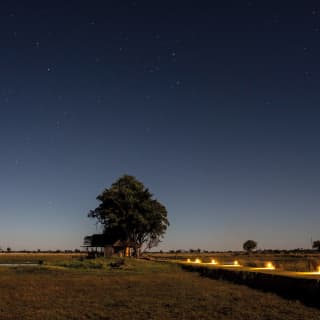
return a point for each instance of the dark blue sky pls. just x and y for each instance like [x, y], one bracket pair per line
[214, 105]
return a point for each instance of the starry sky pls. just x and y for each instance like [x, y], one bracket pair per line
[213, 105]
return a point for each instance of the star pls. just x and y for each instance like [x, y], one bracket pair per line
[307, 75]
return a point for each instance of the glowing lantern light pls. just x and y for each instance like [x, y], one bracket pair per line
[188, 260]
[270, 266]
[213, 261]
[197, 261]
[236, 263]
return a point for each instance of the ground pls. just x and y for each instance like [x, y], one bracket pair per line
[72, 289]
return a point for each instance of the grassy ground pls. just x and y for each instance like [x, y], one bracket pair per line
[61, 289]
[36, 257]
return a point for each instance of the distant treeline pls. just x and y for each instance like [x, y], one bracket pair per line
[43, 251]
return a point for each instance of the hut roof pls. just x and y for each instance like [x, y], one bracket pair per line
[105, 239]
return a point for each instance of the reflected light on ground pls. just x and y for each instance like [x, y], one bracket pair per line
[234, 264]
[314, 272]
[270, 266]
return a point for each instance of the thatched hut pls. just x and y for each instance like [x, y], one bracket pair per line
[109, 246]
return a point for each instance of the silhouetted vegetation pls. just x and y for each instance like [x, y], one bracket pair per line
[316, 245]
[249, 245]
[128, 212]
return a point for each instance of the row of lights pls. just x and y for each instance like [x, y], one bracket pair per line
[268, 265]
[235, 263]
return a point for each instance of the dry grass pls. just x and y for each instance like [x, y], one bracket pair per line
[35, 257]
[142, 290]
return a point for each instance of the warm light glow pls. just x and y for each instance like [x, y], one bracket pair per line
[188, 260]
[318, 269]
[213, 261]
[236, 262]
[197, 261]
[270, 266]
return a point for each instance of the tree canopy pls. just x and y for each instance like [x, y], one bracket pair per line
[249, 245]
[128, 210]
[316, 245]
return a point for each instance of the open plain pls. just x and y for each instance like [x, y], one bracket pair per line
[69, 287]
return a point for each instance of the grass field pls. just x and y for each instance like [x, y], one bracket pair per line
[66, 288]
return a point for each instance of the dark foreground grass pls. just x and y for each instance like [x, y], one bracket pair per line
[141, 290]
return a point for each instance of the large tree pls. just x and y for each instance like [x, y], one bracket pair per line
[249, 245]
[128, 209]
[316, 245]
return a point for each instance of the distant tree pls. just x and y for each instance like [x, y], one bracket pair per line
[316, 245]
[249, 245]
[8, 249]
[129, 210]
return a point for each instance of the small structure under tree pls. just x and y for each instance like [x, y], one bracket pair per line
[101, 244]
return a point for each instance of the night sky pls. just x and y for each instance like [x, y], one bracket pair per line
[213, 105]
